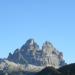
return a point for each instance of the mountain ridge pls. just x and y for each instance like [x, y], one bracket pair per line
[32, 54]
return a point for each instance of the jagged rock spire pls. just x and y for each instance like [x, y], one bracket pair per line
[30, 45]
[31, 54]
[47, 48]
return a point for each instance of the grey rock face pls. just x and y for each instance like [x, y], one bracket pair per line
[30, 53]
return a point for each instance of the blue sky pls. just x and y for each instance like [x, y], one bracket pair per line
[52, 20]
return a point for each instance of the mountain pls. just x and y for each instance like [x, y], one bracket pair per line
[30, 53]
[30, 59]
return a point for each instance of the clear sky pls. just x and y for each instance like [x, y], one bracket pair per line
[52, 20]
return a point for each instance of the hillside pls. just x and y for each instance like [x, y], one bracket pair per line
[65, 70]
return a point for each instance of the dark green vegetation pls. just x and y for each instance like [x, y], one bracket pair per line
[65, 70]
[49, 71]
[68, 69]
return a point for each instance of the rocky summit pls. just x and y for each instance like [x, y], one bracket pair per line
[30, 53]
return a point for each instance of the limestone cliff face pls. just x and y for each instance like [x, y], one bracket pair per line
[30, 53]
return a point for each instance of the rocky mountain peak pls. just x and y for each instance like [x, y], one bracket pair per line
[48, 44]
[31, 53]
[30, 42]
[47, 47]
[30, 45]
